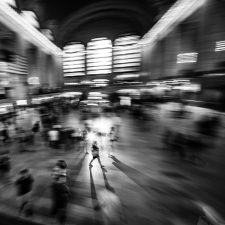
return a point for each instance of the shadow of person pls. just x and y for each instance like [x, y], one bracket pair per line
[107, 185]
[74, 171]
[95, 203]
[141, 179]
[93, 190]
[114, 158]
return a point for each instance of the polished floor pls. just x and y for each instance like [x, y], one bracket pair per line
[145, 177]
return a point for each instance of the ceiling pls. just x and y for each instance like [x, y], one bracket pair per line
[71, 20]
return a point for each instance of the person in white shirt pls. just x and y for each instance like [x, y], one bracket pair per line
[53, 136]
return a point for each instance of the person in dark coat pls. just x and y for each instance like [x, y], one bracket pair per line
[24, 186]
[60, 194]
[5, 167]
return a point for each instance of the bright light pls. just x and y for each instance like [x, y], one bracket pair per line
[100, 85]
[33, 80]
[98, 49]
[86, 82]
[95, 98]
[120, 77]
[178, 12]
[189, 87]
[91, 136]
[31, 18]
[92, 104]
[17, 23]
[10, 2]
[21, 102]
[71, 83]
[101, 80]
[6, 105]
[187, 58]
[99, 72]
[73, 74]
[220, 46]
[95, 93]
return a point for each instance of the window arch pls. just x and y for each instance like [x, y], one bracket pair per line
[74, 59]
[126, 54]
[99, 56]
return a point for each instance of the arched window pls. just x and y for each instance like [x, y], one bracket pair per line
[126, 54]
[99, 56]
[74, 59]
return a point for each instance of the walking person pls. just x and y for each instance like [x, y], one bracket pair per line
[53, 135]
[59, 169]
[24, 185]
[5, 168]
[95, 154]
[85, 134]
[60, 193]
[113, 138]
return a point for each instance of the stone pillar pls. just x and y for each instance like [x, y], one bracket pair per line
[50, 71]
[42, 68]
[58, 64]
[18, 82]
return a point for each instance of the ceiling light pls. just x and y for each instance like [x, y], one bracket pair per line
[16, 22]
[179, 11]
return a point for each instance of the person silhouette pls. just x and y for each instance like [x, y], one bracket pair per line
[95, 154]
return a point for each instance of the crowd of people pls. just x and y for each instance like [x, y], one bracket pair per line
[98, 132]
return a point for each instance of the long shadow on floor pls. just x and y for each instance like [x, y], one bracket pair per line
[142, 180]
[97, 215]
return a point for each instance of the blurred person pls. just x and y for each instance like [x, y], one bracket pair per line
[113, 139]
[24, 186]
[5, 167]
[21, 139]
[111, 207]
[95, 154]
[60, 193]
[5, 133]
[117, 122]
[36, 127]
[59, 169]
[85, 133]
[54, 137]
[103, 125]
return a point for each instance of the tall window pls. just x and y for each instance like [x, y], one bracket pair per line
[126, 54]
[99, 56]
[74, 59]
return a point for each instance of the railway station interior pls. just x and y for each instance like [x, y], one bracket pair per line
[112, 112]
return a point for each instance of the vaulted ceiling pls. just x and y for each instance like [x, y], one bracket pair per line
[72, 20]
